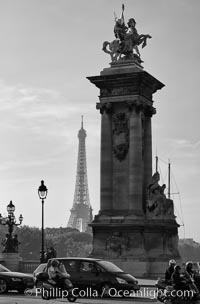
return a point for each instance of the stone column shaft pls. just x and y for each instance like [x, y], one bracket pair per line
[147, 154]
[135, 162]
[106, 162]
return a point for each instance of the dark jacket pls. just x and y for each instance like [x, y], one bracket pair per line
[168, 274]
[178, 281]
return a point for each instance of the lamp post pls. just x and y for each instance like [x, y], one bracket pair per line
[10, 221]
[42, 192]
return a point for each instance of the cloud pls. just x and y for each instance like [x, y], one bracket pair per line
[182, 148]
[184, 143]
[38, 131]
[40, 110]
[31, 102]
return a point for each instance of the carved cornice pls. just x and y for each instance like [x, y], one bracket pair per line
[104, 107]
[122, 84]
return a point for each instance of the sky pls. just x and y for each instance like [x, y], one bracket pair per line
[47, 49]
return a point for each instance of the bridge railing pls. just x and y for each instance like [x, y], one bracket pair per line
[28, 266]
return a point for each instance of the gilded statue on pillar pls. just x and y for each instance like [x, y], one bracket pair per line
[125, 46]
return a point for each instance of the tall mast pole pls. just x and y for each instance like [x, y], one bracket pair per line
[169, 179]
[156, 163]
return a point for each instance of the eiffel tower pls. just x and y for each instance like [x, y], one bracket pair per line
[81, 212]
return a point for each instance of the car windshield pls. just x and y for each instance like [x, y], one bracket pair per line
[108, 266]
[40, 268]
[3, 269]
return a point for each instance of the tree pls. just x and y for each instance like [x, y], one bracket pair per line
[189, 250]
[30, 239]
[66, 241]
[71, 242]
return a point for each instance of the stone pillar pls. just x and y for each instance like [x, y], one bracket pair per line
[147, 150]
[135, 160]
[11, 260]
[121, 232]
[106, 158]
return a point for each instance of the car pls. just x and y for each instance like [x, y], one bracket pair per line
[10, 280]
[40, 268]
[96, 274]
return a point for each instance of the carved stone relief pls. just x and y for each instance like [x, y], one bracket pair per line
[120, 136]
[117, 243]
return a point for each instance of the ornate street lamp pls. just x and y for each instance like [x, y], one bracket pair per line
[10, 221]
[11, 208]
[42, 192]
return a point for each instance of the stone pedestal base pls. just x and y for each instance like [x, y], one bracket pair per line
[151, 268]
[11, 260]
[135, 266]
[139, 246]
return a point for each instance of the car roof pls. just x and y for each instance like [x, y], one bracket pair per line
[77, 258]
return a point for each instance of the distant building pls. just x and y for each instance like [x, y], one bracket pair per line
[81, 212]
[189, 250]
[52, 232]
[189, 242]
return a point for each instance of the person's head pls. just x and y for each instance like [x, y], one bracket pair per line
[172, 263]
[91, 266]
[82, 265]
[177, 268]
[118, 22]
[189, 265]
[156, 177]
[131, 22]
[55, 263]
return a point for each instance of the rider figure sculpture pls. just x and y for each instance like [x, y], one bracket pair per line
[127, 40]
